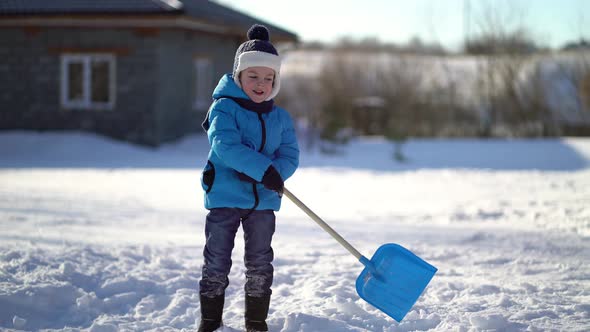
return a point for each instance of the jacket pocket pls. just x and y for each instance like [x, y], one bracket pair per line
[208, 177]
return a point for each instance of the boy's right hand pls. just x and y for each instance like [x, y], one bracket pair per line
[272, 180]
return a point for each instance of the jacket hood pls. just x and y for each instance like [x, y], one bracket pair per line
[228, 88]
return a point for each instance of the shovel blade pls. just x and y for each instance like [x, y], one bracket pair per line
[401, 278]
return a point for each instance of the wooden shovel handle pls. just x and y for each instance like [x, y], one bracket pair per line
[323, 224]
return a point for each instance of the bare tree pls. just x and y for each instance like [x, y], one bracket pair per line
[506, 47]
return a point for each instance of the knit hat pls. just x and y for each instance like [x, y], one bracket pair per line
[258, 52]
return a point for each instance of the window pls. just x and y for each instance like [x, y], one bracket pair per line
[203, 83]
[88, 81]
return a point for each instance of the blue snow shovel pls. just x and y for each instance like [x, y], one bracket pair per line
[394, 278]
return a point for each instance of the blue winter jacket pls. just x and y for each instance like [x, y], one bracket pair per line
[238, 146]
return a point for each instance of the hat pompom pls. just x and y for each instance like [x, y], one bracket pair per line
[259, 32]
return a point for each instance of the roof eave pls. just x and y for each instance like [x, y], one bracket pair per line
[166, 20]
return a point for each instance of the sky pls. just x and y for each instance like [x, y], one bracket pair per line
[551, 22]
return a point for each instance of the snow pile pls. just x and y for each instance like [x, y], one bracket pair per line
[77, 285]
[101, 236]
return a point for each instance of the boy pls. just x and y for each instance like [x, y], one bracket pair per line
[253, 150]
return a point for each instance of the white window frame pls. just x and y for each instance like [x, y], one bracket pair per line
[203, 69]
[86, 102]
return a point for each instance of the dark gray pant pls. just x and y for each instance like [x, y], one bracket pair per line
[220, 231]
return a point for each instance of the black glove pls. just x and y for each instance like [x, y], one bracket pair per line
[272, 180]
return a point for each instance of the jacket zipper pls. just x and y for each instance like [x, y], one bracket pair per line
[254, 189]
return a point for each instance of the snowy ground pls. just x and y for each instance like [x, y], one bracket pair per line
[102, 236]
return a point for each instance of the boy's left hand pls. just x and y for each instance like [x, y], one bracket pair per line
[272, 180]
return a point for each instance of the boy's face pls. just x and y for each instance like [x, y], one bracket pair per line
[257, 82]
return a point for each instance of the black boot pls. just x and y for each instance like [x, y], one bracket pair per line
[256, 313]
[211, 312]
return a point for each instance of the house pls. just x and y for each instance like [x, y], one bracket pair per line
[136, 70]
